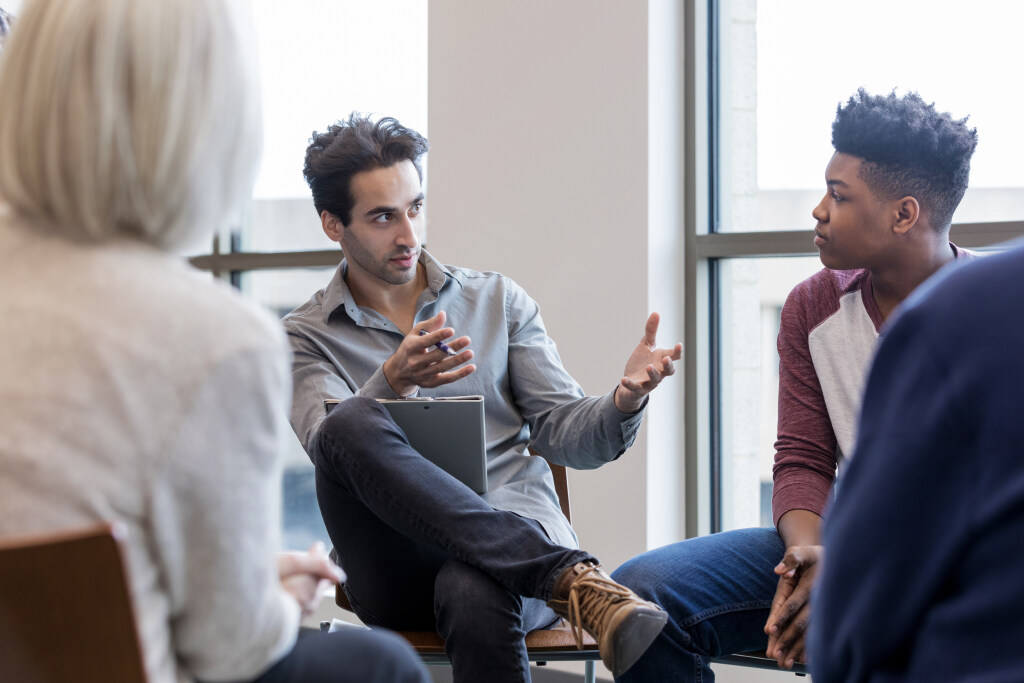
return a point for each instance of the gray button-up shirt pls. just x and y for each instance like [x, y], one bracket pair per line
[529, 398]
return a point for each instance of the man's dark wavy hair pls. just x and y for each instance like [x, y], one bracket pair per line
[352, 146]
[908, 149]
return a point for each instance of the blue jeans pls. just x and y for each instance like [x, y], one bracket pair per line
[717, 590]
[423, 551]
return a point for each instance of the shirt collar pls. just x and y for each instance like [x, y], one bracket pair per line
[337, 294]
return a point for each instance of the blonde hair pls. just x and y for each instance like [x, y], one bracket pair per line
[136, 118]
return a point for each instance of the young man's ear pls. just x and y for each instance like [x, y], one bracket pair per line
[908, 211]
[332, 225]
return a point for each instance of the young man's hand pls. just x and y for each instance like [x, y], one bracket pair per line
[418, 362]
[645, 369]
[791, 609]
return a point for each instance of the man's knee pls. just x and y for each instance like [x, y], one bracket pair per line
[353, 421]
[697, 574]
[389, 656]
[642, 574]
[350, 656]
[350, 415]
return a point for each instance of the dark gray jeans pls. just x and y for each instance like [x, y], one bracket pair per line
[423, 551]
[353, 656]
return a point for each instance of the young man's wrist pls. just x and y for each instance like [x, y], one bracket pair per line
[800, 527]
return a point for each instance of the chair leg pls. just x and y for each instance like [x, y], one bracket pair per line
[589, 672]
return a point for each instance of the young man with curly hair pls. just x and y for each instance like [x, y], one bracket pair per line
[931, 514]
[899, 171]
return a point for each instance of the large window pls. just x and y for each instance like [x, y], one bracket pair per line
[775, 71]
[320, 60]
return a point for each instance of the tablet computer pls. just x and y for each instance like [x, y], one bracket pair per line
[447, 431]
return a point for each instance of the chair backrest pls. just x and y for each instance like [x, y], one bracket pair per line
[562, 489]
[65, 609]
[561, 486]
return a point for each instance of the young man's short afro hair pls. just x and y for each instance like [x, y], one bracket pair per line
[909, 149]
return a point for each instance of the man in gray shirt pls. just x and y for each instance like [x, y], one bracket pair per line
[421, 549]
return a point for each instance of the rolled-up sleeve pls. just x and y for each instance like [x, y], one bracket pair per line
[568, 427]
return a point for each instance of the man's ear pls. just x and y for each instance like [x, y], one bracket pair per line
[908, 212]
[332, 225]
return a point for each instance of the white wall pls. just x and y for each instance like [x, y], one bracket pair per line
[538, 120]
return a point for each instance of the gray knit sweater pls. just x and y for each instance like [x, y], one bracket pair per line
[136, 389]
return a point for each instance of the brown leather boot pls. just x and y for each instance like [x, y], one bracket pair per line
[623, 624]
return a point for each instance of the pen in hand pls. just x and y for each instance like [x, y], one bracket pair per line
[441, 345]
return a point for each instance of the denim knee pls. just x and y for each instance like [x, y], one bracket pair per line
[354, 421]
[707, 575]
[406, 666]
[350, 416]
[349, 656]
[643, 576]
[393, 658]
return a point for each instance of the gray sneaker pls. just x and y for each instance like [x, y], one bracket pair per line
[623, 624]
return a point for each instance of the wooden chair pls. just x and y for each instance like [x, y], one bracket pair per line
[542, 646]
[65, 609]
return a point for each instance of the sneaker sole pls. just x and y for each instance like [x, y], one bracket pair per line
[631, 637]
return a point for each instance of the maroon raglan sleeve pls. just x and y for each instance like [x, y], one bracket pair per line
[805, 452]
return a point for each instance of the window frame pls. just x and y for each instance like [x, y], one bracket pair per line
[706, 246]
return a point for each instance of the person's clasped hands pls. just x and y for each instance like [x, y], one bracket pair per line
[790, 613]
[305, 576]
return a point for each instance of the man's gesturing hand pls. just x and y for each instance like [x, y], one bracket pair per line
[419, 363]
[791, 609]
[645, 369]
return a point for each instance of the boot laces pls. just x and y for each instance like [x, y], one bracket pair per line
[593, 596]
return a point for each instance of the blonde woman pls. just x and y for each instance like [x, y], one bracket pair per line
[132, 387]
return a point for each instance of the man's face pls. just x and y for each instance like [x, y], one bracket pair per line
[854, 227]
[382, 239]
